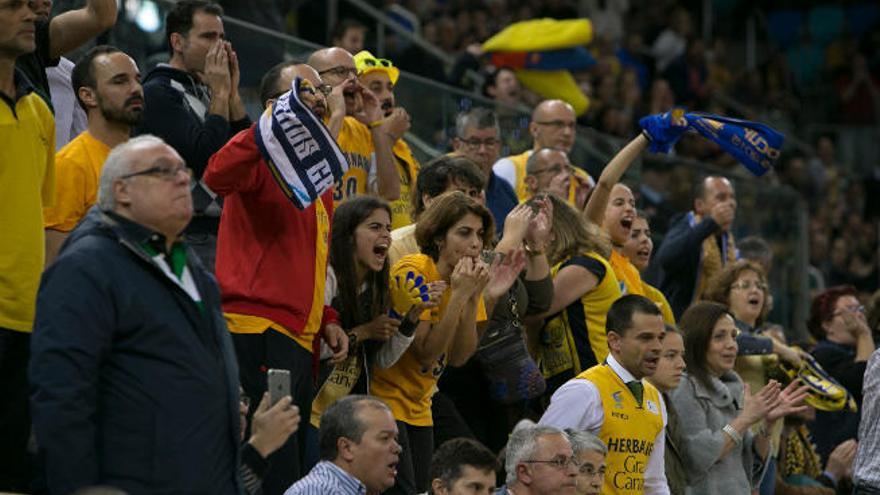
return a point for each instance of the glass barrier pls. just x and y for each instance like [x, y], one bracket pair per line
[774, 213]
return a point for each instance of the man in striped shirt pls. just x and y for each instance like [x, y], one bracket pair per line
[358, 447]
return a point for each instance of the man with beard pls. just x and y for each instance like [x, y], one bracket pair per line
[365, 136]
[379, 76]
[552, 126]
[108, 88]
[614, 402]
[264, 244]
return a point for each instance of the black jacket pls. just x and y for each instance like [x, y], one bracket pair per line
[133, 384]
[679, 260]
[176, 110]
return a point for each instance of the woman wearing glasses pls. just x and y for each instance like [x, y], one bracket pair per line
[837, 321]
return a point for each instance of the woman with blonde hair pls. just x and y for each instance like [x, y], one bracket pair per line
[572, 338]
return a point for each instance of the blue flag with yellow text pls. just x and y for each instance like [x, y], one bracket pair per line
[753, 144]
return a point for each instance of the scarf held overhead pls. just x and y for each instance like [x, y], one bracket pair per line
[299, 150]
[753, 144]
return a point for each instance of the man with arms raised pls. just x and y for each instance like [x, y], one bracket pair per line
[379, 76]
[108, 88]
[365, 136]
[265, 243]
[613, 401]
[193, 103]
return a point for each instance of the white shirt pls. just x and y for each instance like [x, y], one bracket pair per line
[70, 118]
[577, 405]
[506, 170]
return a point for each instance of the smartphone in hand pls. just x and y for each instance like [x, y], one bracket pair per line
[278, 384]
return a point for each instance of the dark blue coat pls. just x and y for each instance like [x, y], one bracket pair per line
[679, 261]
[132, 384]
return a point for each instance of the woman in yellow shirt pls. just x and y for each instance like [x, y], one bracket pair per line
[451, 234]
[584, 287]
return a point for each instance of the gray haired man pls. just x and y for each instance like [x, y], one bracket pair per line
[134, 382]
[539, 461]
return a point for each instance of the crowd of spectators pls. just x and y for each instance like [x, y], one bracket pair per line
[196, 302]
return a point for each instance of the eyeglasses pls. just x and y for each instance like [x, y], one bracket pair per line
[245, 401]
[558, 124]
[558, 462]
[164, 172]
[476, 143]
[555, 169]
[340, 71]
[377, 62]
[589, 470]
[325, 89]
[746, 285]
[850, 310]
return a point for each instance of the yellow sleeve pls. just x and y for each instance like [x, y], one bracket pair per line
[69, 204]
[655, 295]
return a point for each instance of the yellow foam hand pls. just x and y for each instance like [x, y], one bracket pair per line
[406, 292]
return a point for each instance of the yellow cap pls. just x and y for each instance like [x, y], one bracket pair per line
[366, 63]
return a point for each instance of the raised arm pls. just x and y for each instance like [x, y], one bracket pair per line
[70, 30]
[611, 174]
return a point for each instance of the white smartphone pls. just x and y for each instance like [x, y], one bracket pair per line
[278, 384]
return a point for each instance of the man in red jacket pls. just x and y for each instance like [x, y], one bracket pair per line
[271, 266]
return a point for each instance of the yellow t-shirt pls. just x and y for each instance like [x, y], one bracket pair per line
[628, 429]
[356, 143]
[406, 386]
[659, 299]
[27, 184]
[408, 170]
[574, 339]
[78, 170]
[627, 274]
[522, 192]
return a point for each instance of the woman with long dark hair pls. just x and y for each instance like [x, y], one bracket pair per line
[358, 288]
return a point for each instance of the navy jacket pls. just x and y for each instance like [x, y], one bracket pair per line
[176, 110]
[832, 428]
[679, 261]
[132, 384]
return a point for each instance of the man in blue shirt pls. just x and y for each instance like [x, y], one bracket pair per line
[359, 450]
[477, 137]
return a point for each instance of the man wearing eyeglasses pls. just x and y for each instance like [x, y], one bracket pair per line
[477, 137]
[108, 85]
[548, 171]
[134, 382]
[552, 126]
[264, 244]
[539, 461]
[365, 136]
[379, 76]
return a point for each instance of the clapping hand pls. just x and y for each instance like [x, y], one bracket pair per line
[790, 401]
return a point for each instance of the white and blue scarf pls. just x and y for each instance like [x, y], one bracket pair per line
[302, 155]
